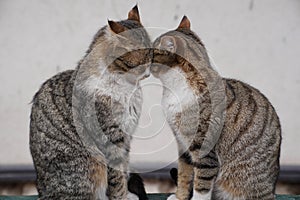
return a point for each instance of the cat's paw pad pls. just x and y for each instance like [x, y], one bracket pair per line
[172, 197]
[131, 196]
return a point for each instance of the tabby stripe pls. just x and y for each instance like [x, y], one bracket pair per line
[69, 97]
[259, 135]
[195, 146]
[203, 190]
[53, 138]
[202, 109]
[240, 104]
[59, 112]
[206, 178]
[45, 113]
[264, 193]
[114, 126]
[186, 158]
[202, 184]
[205, 165]
[212, 155]
[118, 140]
[115, 183]
[121, 64]
[246, 125]
[112, 183]
[210, 161]
[230, 87]
[239, 108]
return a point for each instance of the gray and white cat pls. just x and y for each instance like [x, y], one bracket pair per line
[241, 161]
[82, 119]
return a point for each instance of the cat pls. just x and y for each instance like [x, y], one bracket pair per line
[82, 120]
[228, 133]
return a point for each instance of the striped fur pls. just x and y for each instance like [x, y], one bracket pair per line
[244, 161]
[81, 119]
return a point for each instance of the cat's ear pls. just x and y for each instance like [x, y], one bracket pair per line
[185, 23]
[116, 27]
[134, 14]
[168, 43]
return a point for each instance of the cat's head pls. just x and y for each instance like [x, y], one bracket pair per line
[176, 48]
[124, 46]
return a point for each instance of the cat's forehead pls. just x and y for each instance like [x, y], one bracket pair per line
[135, 32]
[185, 34]
[130, 24]
[191, 35]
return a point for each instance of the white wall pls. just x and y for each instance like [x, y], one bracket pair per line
[254, 41]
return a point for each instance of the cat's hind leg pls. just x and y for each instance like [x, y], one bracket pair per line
[75, 175]
[238, 181]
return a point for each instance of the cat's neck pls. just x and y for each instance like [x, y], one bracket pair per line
[177, 90]
[184, 75]
[94, 78]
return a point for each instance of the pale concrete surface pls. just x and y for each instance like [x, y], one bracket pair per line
[254, 41]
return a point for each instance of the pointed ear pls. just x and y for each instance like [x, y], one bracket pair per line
[134, 14]
[168, 43]
[185, 23]
[116, 27]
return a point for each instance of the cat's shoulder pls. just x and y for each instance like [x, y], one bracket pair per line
[239, 85]
[241, 88]
[59, 80]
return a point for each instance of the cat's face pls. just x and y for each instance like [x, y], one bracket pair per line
[174, 49]
[164, 58]
[126, 47]
[132, 47]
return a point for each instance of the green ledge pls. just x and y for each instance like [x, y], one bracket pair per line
[151, 197]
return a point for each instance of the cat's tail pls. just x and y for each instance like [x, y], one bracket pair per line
[136, 186]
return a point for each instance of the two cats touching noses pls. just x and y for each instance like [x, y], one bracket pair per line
[82, 121]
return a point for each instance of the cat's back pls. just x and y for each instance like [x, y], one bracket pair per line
[251, 121]
[249, 146]
[242, 97]
[51, 113]
[55, 86]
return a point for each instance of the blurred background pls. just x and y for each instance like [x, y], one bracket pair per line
[254, 41]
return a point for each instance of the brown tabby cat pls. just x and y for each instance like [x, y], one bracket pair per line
[237, 157]
[82, 119]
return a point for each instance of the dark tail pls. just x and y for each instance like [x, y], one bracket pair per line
[136, 186]
[174, 175]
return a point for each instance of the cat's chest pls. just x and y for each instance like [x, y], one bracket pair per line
[127, 106]
[178, 96]
[126, 99]
[175, 100]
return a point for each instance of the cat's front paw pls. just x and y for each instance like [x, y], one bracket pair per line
[131, 196]
[172, 197]
[198, 196]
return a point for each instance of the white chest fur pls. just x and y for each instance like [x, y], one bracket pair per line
[179, 100]
[127, 97]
